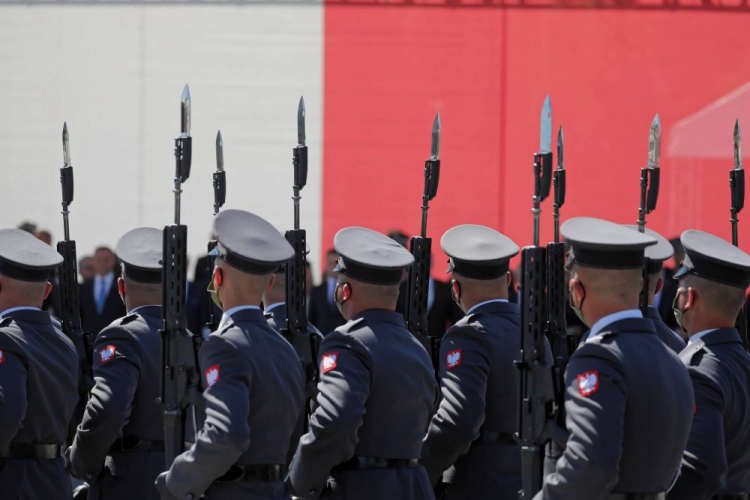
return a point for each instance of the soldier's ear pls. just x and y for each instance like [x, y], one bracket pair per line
[47, 290]
[346, 289]
[508, 279]
[659, 286]
[270, 284]
[121, 288]
[690, 293]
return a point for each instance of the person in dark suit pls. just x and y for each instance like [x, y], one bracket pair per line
[663, 302]
[323, 312]
[442, 311]
[713, 279]
[100, 302]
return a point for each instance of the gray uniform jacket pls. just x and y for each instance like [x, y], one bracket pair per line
[717, 456]
[377, 393]
[666, 334]
[123, 406]
[629, 404]
[480, 387]
[38, 393]
[303, 347]
[253, 394]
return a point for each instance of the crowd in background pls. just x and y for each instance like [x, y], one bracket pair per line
[100, 302]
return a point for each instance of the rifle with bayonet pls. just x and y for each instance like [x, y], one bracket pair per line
[421, 248]
[536, 425]
[649, 195]
[737, 187]
[557, 334]
[296, 269]
[70, 313]
[180, 377]
[220, 196]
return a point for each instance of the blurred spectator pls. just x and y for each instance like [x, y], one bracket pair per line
[86, 268]
[29, 227]
[45, 236]
[322, 308]
[100, 300]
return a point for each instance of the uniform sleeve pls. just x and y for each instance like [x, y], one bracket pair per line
[344, 387]
[595, 402]
[13, 400]
[225, 434]
[117, 367]
[704, 462]
[464, 370]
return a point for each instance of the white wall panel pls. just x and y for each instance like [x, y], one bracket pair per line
[115, 74]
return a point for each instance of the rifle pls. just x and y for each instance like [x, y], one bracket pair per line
[220, 196]
[536, 409]
[421, 248]
[70, 314]
[556, 332]
[737, 187]
[180, 378]
[295, 270]
[649, 195]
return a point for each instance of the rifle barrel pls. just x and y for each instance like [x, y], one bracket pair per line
[296, 199]
[642, 207]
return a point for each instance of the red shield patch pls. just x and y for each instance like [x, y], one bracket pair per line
[329, 361]
[2, 357]
[453, 359]
[588, 383]
[212, 375]
[107, 354]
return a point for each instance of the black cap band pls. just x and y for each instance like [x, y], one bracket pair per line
[366, 274]
[478, 270]
[19, 273]
[141, 275]
[609, 259]
[714, 271]
[655, 266]
[241, 263]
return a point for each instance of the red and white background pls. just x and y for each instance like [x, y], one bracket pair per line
[373, 75]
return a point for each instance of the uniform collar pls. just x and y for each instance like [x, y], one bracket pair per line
[611, 318]
[147, 310]
[32, 314]
[273, 306]
[653, 313]
[486, 303]
[382, 315]
[242, 313]
[716, 336]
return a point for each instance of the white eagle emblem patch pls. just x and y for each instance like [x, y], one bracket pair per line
[588, 383]
[107, 354]
[453, 359]
[329, 361]
[2, 357]
[212, 375]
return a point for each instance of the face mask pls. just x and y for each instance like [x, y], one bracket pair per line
[213, 291]
[456, 297]
[578, 310]
[340, 305]
[677, 312]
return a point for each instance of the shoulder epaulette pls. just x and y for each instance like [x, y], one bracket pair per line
[128, 319]
[601, 336]
[686, 355]
[224, 328]
[5, 321]
[352, 325]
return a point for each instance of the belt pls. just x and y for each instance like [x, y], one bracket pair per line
[31, 450]
[490, 437]
[132, 443]
[637, 496]
[255, 472]
[364, 463]
[733, 496]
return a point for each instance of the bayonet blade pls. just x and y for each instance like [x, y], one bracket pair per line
[560, 149]
[545, 138]
[219, 152]
[66, 144]
[654, 143]
[737, 146]
[435, 148]
[185, 112]
[301, 139]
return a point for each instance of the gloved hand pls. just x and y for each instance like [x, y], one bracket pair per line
[82, 492]
[161, 486]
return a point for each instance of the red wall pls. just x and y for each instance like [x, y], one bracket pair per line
[389, 69]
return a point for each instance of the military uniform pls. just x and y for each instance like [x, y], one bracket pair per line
[628, 399]
[38, 381]
[276, 316]
[673, 341]
[470, 445]
[119, 446]
[716, 462]
[253, 381]
[377, 393]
